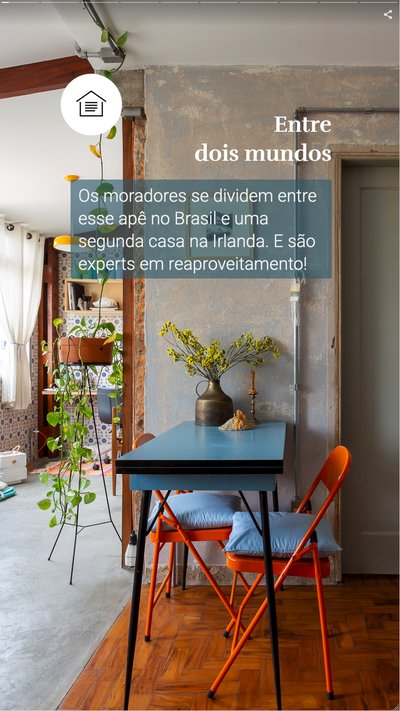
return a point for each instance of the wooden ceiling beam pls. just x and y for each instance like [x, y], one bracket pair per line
[41, 76]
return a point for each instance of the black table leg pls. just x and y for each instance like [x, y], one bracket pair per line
[136, 590]
[184, 565]
[271, 595]
[275, 499]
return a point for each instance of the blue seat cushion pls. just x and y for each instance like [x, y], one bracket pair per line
[201, 509]
[286, 528]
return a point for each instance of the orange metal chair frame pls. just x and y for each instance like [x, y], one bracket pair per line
[160, 537]
[332, 474]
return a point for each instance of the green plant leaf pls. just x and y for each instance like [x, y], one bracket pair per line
[44, 504]
[58, 321]
[104, 34]
[107, 325]
[73, 329]
[53, 522]
[121, 40]
[53, 418]
[107, 74]
[105, 229]
[44, 477]
[112, 132]
[52, 444]
[104, 188]
[89, 497]
[99, 211]
[87, 412]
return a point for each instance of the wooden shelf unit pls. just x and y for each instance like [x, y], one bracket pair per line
[112, 289]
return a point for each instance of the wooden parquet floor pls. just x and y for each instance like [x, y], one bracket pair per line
[176, 668]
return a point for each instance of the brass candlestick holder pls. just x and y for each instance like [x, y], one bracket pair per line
[252, 418]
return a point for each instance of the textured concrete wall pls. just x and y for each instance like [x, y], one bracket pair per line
[186, 106]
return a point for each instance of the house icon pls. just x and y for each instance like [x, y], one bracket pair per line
[91, 104]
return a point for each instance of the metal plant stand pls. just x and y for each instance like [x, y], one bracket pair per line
[77, 526]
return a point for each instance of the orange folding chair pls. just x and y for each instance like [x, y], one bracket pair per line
[188, 517]
[300, 545]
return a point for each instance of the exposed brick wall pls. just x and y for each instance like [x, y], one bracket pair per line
[139, 334]
[139, 346]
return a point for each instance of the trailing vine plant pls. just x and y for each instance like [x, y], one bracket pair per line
[68, 486]
[72, 391]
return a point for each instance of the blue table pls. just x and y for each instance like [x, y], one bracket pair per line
[189, 456]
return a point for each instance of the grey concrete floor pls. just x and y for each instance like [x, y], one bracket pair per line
[48, 628]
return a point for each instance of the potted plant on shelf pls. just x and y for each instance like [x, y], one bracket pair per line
[214, 407]
[89, 343]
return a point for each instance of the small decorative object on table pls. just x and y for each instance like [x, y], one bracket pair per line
[253, 393]
[239, 423]
[214, 407]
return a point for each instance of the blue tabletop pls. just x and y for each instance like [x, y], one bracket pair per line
[189, 443]
[192, 456]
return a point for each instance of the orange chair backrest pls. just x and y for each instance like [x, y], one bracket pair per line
[142, 439]
[336, 467]
[332, 474]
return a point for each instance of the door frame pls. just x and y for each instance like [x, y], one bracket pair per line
[342, 154]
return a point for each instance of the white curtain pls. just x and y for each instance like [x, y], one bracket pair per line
[21, 269]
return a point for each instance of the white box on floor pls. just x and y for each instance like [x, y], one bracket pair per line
[12, 467]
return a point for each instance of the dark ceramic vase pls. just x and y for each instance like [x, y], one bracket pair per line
[213, 407]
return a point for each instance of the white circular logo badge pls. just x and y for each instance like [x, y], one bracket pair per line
[91, 104]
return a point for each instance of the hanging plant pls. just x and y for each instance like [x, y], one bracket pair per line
[70, 378]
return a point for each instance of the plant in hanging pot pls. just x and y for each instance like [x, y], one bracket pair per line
[68, 485]
[75, 375]
[214, 407]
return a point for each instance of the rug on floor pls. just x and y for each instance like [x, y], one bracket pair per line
[52, 468]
